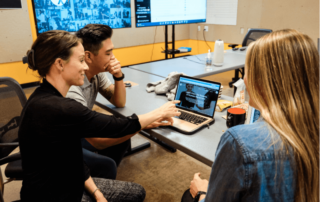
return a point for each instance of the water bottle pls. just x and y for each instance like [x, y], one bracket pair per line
[208, 60]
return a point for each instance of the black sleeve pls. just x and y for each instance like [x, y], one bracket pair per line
[71, 117]
[86, 172]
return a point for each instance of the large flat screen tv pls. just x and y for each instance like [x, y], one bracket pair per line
[72, 15]
[169, 12]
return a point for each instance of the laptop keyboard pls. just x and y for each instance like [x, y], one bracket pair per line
[192, 118]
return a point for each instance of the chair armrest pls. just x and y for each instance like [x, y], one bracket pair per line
[233, 45]
[9, 144]
[10, 158]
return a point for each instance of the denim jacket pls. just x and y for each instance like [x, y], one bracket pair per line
[248, 167]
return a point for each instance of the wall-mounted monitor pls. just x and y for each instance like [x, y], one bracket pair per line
[72, 15]
[169, 12]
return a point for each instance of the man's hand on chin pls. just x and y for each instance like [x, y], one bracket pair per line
[114, 67]
[160, 122]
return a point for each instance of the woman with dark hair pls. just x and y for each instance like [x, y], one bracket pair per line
[52, 126]
[277, 157]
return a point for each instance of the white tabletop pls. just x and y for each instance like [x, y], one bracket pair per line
[194, 65]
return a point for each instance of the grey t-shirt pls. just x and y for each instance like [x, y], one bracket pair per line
[87, 93]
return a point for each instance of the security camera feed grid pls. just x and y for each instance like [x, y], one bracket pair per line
[197, 96]
[72, 15]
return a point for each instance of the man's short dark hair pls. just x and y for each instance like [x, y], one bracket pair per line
[92, 36]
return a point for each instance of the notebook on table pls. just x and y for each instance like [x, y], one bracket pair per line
[198, 99]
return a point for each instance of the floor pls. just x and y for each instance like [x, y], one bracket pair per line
[164, 175]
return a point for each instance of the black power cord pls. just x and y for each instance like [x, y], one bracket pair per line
[198, 44]
[198, 41]
[206, 41]
[202, 63]
[154, 40]
[198, 58]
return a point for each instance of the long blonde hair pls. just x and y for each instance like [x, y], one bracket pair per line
[282, 70]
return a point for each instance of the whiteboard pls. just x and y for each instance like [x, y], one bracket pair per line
[222, 12]
[15, 34]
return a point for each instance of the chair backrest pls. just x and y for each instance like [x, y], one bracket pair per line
[12, 101]
[253, 35]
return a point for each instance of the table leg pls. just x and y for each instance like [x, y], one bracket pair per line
[137, 148]
[236, 78]
[166, 146]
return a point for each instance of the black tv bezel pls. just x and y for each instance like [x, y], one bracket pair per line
[135, 17]
[36, 25]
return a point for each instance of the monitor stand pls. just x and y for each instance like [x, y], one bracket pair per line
[172, 51]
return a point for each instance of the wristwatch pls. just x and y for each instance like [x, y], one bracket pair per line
[196, 199]
[118, 79]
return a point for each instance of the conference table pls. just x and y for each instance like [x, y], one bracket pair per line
[203, 144]
[194, 65]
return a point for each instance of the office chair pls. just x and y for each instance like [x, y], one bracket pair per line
[252, 35]
[12, 101]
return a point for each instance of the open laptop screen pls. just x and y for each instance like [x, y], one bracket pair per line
[197, 95]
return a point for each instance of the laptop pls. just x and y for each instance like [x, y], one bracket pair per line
[198, 99]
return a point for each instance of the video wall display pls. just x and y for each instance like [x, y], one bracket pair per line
[72, 15]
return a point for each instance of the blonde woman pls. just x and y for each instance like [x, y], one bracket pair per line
[277, 157]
